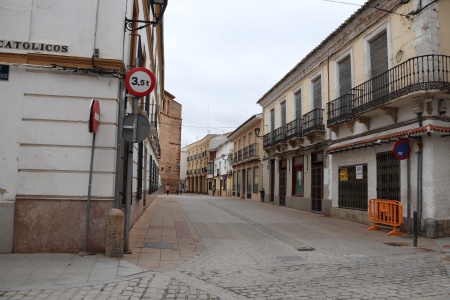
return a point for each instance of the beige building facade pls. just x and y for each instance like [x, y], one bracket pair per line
[332, 125]
[246, 159]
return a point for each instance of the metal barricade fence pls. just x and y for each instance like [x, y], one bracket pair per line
[386, 212]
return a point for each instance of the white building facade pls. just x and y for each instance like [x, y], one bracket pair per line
[59, 55]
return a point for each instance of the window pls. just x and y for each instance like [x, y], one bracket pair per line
[272, 119]
[255, 179]
[210, 185]
[298, 176]
[249, 181]
[317, 93]
[298, 104]
[379, 64]
[353, 187]
[283, 113]
[345, 76]
[234, 182]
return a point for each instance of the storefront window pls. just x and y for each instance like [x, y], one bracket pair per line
[298, 176]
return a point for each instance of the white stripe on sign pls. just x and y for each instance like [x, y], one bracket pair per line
[97, 117]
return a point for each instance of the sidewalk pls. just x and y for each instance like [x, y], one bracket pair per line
[163, 237]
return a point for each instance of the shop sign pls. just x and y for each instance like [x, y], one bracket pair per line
[5, 44]
[343, 174]
[359, 172]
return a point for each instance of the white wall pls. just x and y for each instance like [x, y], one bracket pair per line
[82, 25]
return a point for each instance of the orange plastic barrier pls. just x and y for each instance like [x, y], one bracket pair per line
[387, 212]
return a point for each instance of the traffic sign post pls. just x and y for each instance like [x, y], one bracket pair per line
[140, 82]
[401, 149]
[94, 122]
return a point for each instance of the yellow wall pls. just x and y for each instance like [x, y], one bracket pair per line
[444, 27]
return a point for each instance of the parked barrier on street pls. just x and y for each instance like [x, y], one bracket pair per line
[387, 212]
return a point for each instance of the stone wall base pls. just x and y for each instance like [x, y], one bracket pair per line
[57, 225]
[359, 216]
[6, 226]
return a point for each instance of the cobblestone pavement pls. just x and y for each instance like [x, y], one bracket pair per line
[261, 251]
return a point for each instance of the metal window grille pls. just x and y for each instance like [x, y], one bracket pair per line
[352, 191]
[388, 176]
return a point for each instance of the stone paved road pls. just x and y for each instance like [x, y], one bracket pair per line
[261, 251]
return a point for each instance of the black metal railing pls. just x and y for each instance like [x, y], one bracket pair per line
[253, 150]
[421, 73]
[278, 135]
[313, 121]
[267, 140]
[340, 109]
[245, 153]
[294, 129]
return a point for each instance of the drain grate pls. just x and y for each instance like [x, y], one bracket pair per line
[393, 244]
[157, 245]
[305, 249]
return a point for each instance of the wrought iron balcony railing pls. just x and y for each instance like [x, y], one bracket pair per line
[313, 121]
[421, 73]
[299, 127]
[294, 129]
[246, 153]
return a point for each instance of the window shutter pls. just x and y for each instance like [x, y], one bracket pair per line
[379, 55]
[283, 113]
[317, 93]
[272, 119]
[345, 76]
[298, 105]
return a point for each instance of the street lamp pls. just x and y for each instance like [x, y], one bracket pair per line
[257, 131]
[157, 7]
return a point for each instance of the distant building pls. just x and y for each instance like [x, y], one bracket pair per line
[201, 163]
[170, 137]
[184, 172]
[222, 170]
[246, 159]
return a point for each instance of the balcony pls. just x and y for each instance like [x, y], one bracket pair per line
[295, 130]
[313, 121]
[422, 73]
[246, 153]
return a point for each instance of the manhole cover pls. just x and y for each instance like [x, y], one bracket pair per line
[290, 258]
[305, 249]
[157, 245]
[393, 244]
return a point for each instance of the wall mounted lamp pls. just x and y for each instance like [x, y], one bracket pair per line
[157, 8]
[257, 131]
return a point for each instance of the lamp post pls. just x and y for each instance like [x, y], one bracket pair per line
[157, 8]
[261, 192]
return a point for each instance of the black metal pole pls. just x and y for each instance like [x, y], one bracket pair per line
[416, 228]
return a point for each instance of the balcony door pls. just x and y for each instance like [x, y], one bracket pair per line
[282, 175]
[379, 65]
[317, 182]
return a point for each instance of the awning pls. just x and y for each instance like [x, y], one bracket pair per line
[388, 138]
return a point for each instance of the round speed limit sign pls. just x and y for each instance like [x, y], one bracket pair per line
[140, 82]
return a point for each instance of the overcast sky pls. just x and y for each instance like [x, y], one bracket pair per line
[221, 57]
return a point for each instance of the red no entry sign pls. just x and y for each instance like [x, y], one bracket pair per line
[94, 116]
[402, 149]
[140, 82]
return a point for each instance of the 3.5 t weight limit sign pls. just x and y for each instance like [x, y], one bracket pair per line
[140, 82]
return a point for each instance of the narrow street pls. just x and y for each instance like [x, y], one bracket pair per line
[200, 247]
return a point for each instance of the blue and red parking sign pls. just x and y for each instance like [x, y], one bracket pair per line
[402, 149]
